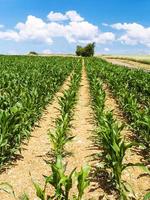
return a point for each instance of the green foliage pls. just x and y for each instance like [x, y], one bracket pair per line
[33, 53]
[27, 84]
[7, 188]
[147, 196]
[61, 183]
[24, 197]
[83, 181]
[58, 179]
[114, 149]
[86, 51]
[61, 134]
[132, 91]
[108, 135]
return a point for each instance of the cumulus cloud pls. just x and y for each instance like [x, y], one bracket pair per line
[81, 31]
[33, 29]
[105, 37]
[71, 15]
[9, 35]
[56, 16]
[76, 29]
[134, 33]
[74, 16]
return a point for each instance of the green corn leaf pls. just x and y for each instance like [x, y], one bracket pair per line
[147, 196]
[24, 197]
[6, 187]
[39, 191]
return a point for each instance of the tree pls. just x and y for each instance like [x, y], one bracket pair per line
[33, 53]
[86, 51]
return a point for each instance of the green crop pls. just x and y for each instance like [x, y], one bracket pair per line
[108, 136]
[61, 134]
[61, 183]
[132, 91]
[27, 84]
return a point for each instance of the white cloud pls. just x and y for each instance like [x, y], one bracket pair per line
[76, 30]
[56, 16]
[134, 33]
[74, 16]
[9, 35]
[13, 52]
[34, 29]
[71, 15]
[105, 37]
[81, 31]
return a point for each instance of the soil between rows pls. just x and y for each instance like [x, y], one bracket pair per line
[81, 147]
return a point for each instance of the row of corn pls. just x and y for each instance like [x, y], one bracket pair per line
[109, 138]
[131, 89]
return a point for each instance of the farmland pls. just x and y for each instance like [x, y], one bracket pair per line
[83, 123]
[26, 87]
[137, 62]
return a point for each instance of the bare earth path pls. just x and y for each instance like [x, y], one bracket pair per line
[33, 155]
[129, 63]
[83, 125]
[133, 175]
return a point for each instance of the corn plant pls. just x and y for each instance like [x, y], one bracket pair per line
[61, 134]
[61, 183]
[83, 182]
[115, 149]
[59, 180]
[60, 137]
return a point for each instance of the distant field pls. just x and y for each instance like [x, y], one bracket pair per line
[138, 58]
[132, 61]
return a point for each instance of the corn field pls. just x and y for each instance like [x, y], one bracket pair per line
[28, 84]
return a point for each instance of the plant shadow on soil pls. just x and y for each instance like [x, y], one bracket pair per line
[99, 177]
[51, 157]
[12, 161]
[144, 153]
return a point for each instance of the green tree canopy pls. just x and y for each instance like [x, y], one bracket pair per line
[86, 51]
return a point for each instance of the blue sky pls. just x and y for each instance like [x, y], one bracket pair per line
[57, 26]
